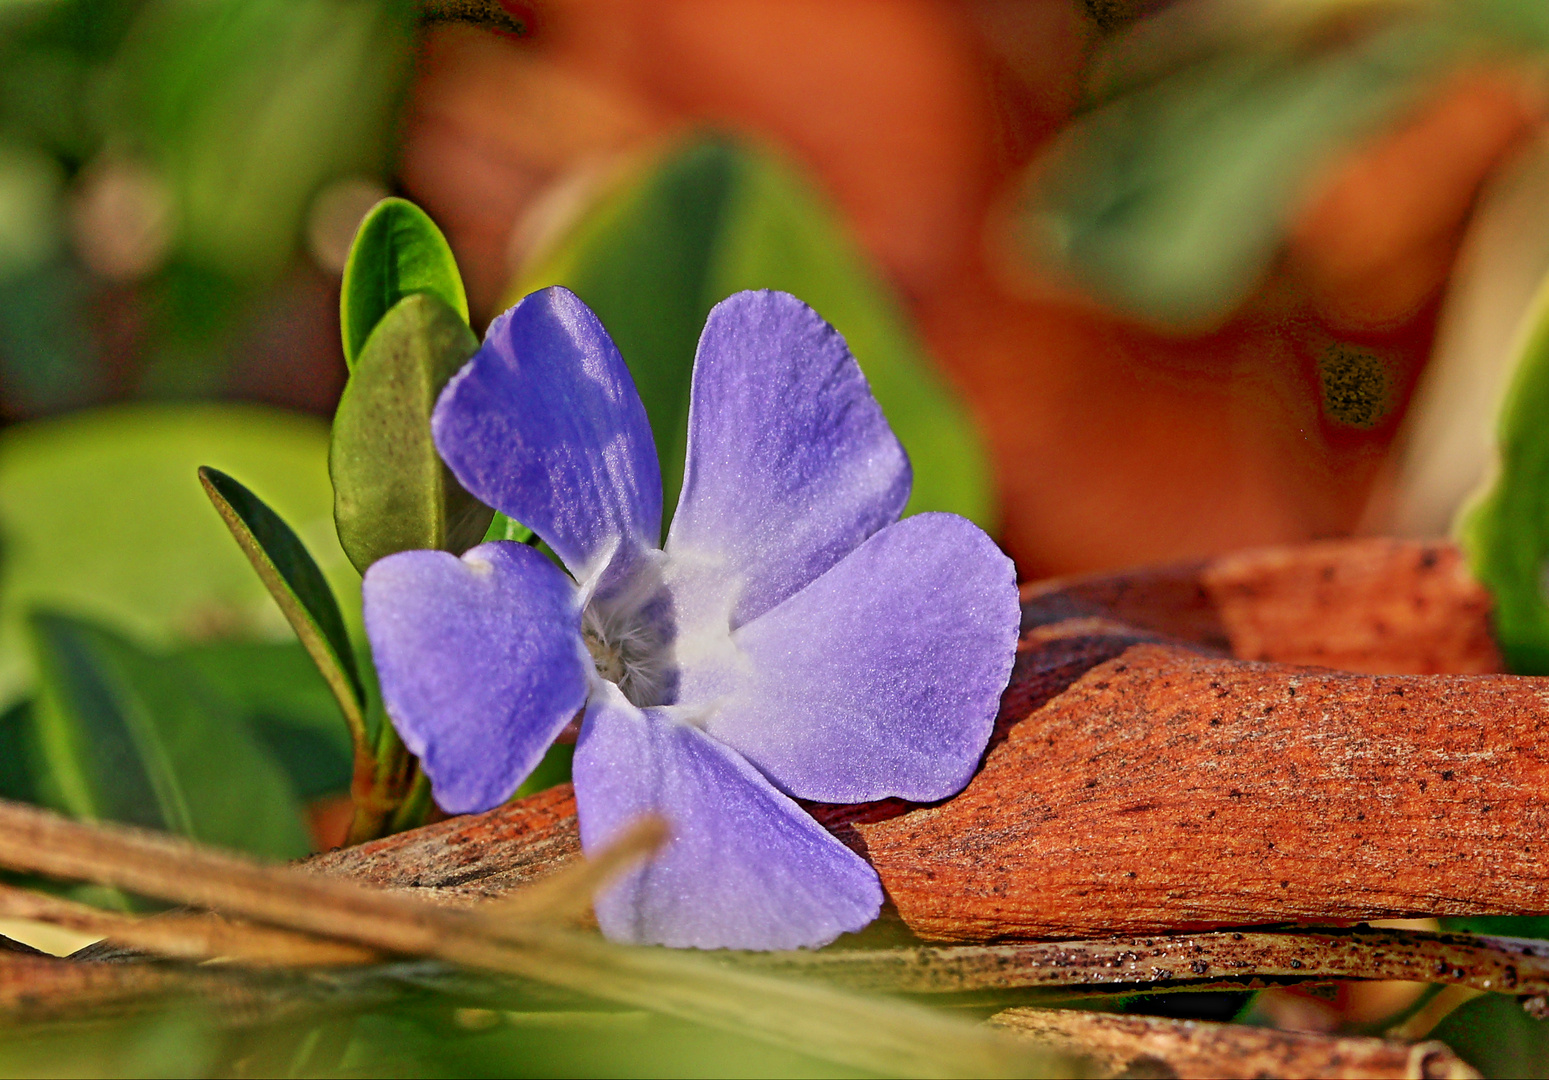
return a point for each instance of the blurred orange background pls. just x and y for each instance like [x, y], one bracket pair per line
[1113, 443]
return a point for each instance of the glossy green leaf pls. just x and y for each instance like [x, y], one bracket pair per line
[129, 736]
[391, 490]
[286, 703]
[398, 251]
[1506, 530]
[298, 587]
[714, 217]
[100, 515]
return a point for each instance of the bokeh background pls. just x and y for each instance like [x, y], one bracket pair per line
[1183, 263]
[1135, 280]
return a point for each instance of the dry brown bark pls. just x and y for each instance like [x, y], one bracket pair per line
[1121, 1045]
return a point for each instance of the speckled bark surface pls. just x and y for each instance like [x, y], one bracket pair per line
[1164, 789]
[469, 858]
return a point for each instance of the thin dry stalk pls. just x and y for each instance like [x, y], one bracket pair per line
[878, 1036]
[1217, 959]
[187, 935]
[569, 891]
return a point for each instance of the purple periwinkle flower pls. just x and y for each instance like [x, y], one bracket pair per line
[791, 639]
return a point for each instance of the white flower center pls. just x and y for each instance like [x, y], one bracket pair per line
[631, 650]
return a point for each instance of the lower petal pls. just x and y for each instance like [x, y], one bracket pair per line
[481, 663]
[882, 677]
[745, 867]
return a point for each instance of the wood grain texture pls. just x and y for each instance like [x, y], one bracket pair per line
[1123, 1045]
[1166, 790]
[470, 858]
[1222, 960]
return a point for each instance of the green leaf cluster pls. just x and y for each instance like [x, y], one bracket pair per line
[404, 319]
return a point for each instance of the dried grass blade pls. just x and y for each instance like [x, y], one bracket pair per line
[880, 1036]
[186, 935]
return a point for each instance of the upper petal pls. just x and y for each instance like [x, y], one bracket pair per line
[745, 867]
[481, 663]
[545, 425]
[790, 464]
[881, 678]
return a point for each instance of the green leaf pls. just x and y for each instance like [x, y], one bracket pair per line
[398, 251]
[100, 516]
[1506, 530]
[298, 587]
[285, 702]
[714, 217]
[391, 490]
[129, 736]
[504, 528]
[19, 766]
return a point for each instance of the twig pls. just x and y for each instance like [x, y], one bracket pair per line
[1505, 965]
[1146, 1045]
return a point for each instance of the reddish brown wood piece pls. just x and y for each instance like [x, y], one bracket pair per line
[1376, 605]
[1167, 790]
[466, 859]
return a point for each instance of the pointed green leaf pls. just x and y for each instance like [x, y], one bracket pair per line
[398, 251]
[1506, 531]
[715, 217]
[132, 737]
[298, 587]
[19, 765]
[391, 490]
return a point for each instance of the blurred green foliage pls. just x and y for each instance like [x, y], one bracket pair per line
[1169, 197]
[713, 217]
[126, 735]
[101, 516]
[179, 144]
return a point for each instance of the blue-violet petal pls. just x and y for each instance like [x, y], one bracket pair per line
[881, 678]
[481, 663]
[745, 867]
[545, 425]
[790, 465]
